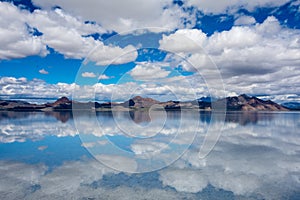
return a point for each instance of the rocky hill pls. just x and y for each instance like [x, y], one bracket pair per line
[246, 103]
[19, 105]
[236, 103]
[140, 102]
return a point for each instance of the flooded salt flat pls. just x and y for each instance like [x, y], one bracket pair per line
[50, 155]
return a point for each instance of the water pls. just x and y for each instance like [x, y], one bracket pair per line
[56, 155]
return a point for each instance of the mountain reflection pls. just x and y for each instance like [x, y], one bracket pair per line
[242, 118]
[43, 156]
[17, 126]
[61, 116]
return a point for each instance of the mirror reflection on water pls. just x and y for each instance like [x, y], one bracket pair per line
[48, 155]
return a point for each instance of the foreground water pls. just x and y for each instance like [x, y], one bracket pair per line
[55, 156]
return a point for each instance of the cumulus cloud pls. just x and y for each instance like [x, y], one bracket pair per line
[183, 40]
[17, 41]
[43, 71]
[12, 80]
[31, 33]
[181, 88]
[21, 87]
[88, 75]
[252, 59]
[123, 16]
[104, 77]
[244, 20]
[148, 71]
[209, 7]
[267, 51]
[107, 55]
[66, 34]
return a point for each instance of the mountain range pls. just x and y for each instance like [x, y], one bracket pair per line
[236, 103]
[291, 105]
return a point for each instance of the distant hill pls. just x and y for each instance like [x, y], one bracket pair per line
[291, 105]
[19, 105]
[237, 103]
[246, 103]
[140, 102]
[207, 99]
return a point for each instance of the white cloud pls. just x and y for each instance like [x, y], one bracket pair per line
[16, 87]
[174, 88]
[107, 55]
[67, 38]
[104, 77]
[231, 6]
[12, 80]
[148, 71]
[64, 33]
[88, 75]
[183, 40]
[237, 37]
[16, 40]
[255, 59]
[123, 16]
[244, 20]
[43, 71]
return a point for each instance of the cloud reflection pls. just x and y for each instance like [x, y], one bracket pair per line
[259, 159]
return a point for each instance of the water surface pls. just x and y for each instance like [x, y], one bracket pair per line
[52, 156]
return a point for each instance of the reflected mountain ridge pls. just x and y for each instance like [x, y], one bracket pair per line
[44, 123]
[242, 118]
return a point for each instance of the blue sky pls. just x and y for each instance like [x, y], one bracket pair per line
[160, 48]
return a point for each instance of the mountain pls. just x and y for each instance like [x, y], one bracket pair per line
[19, 105]
[246, 103]
[237, 103]
[140, 102]
[207, 99]
[62, 103]
[291, 105]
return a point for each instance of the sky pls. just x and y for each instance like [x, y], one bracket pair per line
[164, 49]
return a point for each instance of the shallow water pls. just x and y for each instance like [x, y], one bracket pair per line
[56, 155]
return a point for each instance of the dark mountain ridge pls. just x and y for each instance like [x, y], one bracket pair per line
[291, 105]
[236, 103]
[246, 103]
